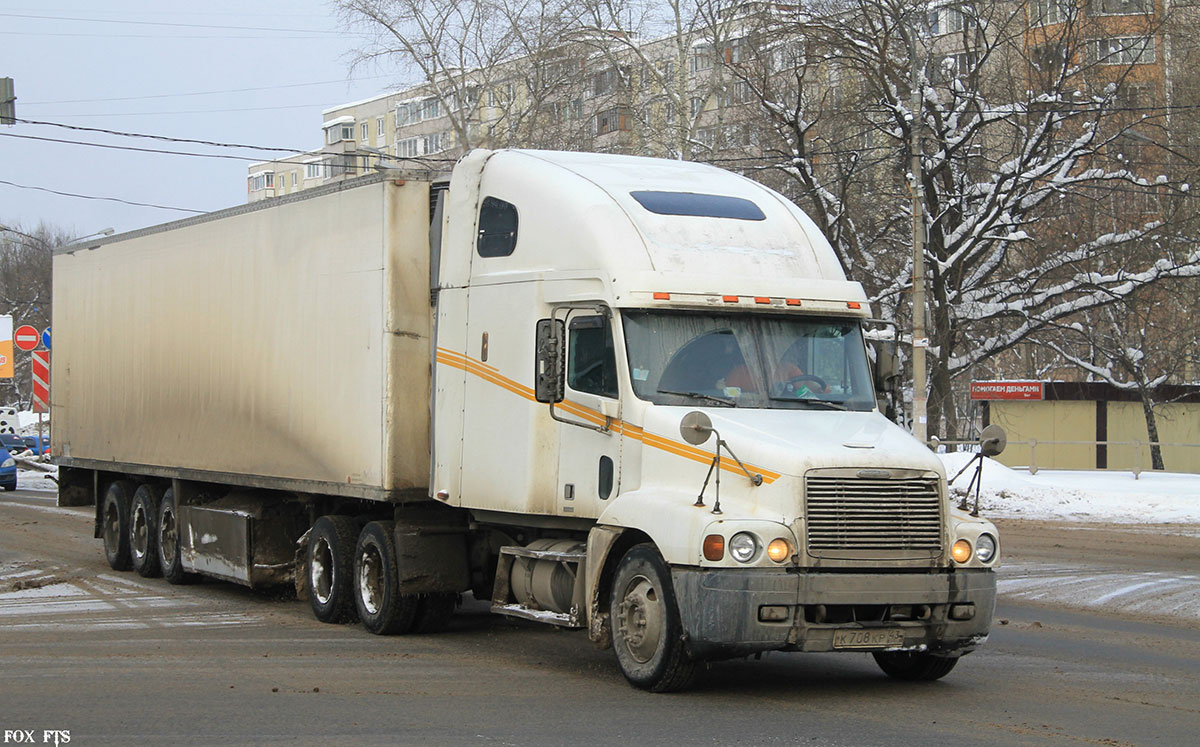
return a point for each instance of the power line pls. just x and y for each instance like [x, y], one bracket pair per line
[176, 25]
[194, 93]
[184, 111]
[164, 138]
[160, 37]
[134, 148]
[106, 199]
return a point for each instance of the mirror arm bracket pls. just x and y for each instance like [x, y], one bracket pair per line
[606, 428]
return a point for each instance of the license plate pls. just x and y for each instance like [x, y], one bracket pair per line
[875, 638]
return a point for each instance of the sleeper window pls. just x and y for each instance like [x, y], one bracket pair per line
[497, 228]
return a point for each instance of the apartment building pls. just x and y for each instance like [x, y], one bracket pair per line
[669, 99]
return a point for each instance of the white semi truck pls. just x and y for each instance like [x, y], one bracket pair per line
[604, 392]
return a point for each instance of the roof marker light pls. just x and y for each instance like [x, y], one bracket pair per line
[729, 299]
[662, 296]
[761, 299]
[793, 302]
[853, 305]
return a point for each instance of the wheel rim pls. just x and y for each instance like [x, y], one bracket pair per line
[370, 579]
[641, 617]
[321, 571]
[141, 532]
[167, 537]
[112, 525]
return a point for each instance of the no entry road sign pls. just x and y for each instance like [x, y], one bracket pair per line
[26, 337]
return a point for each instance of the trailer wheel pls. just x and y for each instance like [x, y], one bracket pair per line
[170, 557]
[116, 524]
[647, 633]
[434, 612]
[381, 607]
[143, 531]
[914, 666]
[331, 568]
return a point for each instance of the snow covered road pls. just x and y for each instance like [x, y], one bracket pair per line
[1153, 593]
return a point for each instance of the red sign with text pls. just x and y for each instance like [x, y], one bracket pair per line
[1008, 390]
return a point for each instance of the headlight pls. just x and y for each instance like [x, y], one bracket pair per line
[743, 547]
[10, 462]
[985, 548]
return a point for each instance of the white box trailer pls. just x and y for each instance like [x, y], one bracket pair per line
[282, 346]
[606, 392]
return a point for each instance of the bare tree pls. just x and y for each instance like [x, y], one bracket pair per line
[25, 292]
[497, 69]
[667, 58]
[1019, 120]
[1138, 344]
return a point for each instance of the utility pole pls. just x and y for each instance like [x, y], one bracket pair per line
[8, 102]
[919, 342]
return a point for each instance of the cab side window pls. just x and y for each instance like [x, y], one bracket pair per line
[497, 228]
[591, 362]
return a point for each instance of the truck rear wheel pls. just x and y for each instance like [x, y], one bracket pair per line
[170, 556]
[381, 607]
[115, 518]
[331, 568]
[143, 531]
[647, 634]
[914, 666]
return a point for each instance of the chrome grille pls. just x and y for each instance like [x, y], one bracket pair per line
[854, 514]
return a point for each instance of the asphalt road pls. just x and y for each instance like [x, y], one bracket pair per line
[113, 658]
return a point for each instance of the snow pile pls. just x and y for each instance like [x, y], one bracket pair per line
[1079, 495]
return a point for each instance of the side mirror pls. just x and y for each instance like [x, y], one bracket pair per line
[549, 362]
[695, 428]
[992, 441]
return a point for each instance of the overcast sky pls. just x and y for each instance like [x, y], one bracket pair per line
[255, 72]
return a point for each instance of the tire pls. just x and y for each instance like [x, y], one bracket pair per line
[647, 634]
[331, 569]
[381, 607]
[143, 531]
[434, 612]
[169, 545]
[914, 666]
[115, 524]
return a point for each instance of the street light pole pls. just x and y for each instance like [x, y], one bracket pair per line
[920, 341]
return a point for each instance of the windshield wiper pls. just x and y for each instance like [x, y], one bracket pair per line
[701, 395]
[830, 404]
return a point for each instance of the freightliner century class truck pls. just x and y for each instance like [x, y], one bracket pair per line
[613, 393]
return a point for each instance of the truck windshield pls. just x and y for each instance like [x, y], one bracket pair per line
[747, 360]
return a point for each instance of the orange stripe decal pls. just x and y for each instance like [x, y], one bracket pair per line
[492, 375]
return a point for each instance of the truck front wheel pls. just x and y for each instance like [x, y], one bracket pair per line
[116, 524]
[647, 633]
[381, 607]
[331, 568]
[914, 666]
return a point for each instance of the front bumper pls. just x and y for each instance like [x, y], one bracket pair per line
[727, 612]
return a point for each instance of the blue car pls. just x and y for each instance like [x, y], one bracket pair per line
[8, 473]
[38, 444]
[12, 443]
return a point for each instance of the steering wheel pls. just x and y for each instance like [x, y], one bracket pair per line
[807, 377]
